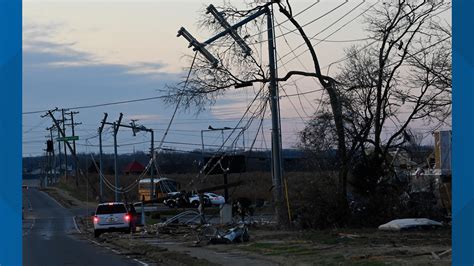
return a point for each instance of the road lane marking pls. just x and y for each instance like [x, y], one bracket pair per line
[98, 244]
[111, 249]
[30, 207]
[141, 262]
[75, 225]
[117, 252]
[95, 242]
[114, 251]
[29, 229]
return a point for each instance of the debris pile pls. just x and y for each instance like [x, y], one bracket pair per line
[409, 224]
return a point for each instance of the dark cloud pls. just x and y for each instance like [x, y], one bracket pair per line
[57, 74]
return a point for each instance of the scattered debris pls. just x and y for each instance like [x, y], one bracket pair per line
[449, 251]
[349, 236]
[410, 223]
[186, 217]
[236, 234]
[435, 256]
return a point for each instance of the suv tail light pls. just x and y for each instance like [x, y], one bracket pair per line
[96, 219]
[127, 217]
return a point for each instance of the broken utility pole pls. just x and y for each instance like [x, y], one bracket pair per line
[74, 145]
[65, 150]
[273, 88]
[50, 151]
[66, 142]
[136, 129]
[101, 172]
[116, 128]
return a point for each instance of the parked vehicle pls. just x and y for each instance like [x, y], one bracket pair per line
[215, 199]
[112, 216]
[176, 199]
[162, 187]
[146, 208]
[210, 199]
[194, 200]
[183, 200]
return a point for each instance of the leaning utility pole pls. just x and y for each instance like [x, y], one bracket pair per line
[60, 161]
[74, 145]
[116, 128]
[50, 150]
[273, 88]
[101, 173]
[275, 110]
[65, 139]
[65, 150]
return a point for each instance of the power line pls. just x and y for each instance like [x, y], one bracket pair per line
[304, 67]
[177, 104]
[312, 21]
[264, 31]
[224, 142]
[369, 44]
[329, 26]
[302, 93]
[347, 57]
[100, 104]
[282, 87]
[39, 124]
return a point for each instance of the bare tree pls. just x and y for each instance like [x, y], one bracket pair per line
[404, 77]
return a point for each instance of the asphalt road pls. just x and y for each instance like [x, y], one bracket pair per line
[50, 236]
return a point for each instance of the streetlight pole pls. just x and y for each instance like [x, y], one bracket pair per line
[210, 128]
[136, 129]
[202, 145]
[152, 172]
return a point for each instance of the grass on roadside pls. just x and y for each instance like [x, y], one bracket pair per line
[81, 193]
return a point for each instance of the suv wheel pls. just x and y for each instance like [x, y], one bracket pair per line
[195, 204]
[96, 233]
[171, 204]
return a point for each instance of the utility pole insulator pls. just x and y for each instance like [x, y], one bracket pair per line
[232, 32]
[198, 46]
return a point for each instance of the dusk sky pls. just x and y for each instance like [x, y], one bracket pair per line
[93, 52]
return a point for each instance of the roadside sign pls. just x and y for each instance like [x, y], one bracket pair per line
[70, 138]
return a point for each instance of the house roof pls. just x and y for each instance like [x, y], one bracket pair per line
[134, 167]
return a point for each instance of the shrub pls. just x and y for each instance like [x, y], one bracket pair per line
[317, 202]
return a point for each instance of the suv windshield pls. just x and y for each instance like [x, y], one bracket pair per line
[109, 209]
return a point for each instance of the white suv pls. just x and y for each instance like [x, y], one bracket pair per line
[111, 216]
